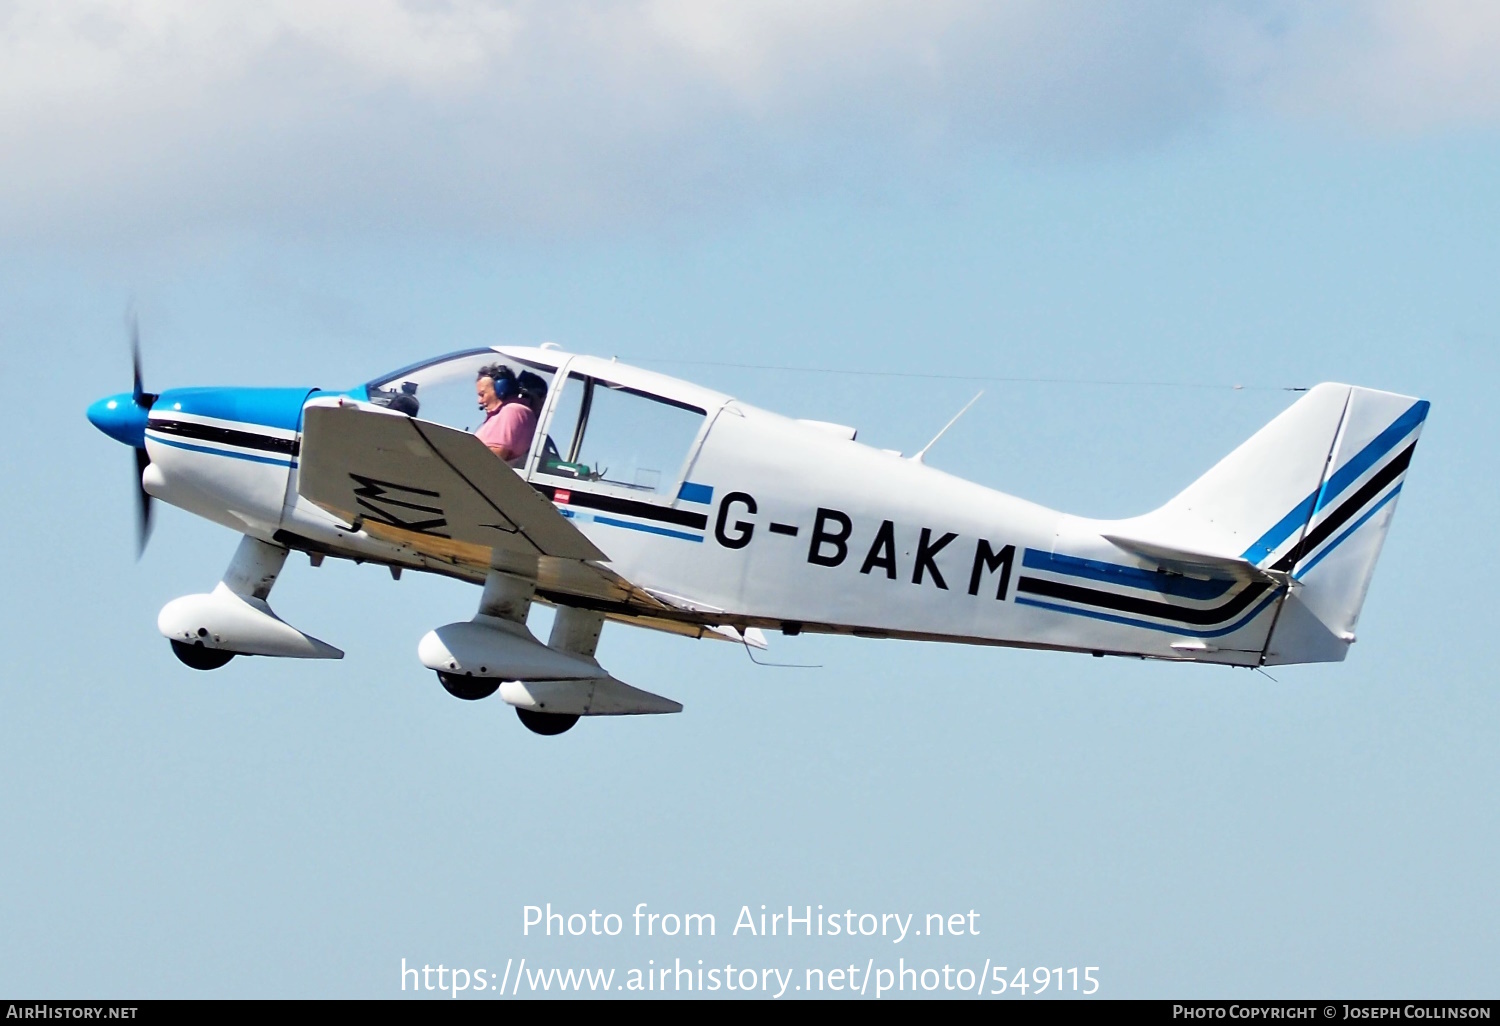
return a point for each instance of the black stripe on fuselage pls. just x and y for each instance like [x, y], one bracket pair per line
[1346, 510]
[224, 436]
[628, 507]
[1145, 607]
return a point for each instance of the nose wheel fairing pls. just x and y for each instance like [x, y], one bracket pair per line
[234, 618]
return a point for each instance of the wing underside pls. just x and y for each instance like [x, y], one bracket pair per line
[443, 495]
[435, 488]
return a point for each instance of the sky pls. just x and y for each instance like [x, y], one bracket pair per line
[1133, 229]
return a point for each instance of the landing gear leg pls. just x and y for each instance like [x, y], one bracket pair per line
[251, 573]
[575, 631]
[505, 597]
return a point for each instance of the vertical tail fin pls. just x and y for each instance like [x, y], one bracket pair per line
[1309, 496]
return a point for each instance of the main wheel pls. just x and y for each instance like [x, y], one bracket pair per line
[470, 689]
[199, 657]
[547, 724]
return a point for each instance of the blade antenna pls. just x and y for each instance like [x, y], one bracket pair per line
[921, 456]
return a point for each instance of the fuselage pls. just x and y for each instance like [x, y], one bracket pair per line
[750, 519]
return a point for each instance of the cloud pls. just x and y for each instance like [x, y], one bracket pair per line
[1389, 67]
[554, 115]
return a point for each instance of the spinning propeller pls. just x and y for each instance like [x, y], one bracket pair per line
[123, 417]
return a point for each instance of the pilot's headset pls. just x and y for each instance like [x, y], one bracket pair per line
[504, 379]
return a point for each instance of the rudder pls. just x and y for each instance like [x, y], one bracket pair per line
[1332, 558]
[1307, 499]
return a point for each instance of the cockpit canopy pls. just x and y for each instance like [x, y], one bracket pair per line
[601, 426]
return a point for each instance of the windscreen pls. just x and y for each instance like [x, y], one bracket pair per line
[443, 390]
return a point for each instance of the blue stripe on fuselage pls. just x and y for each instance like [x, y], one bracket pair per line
[249, 457]
[1147, 625]
[1125, 576]
[594, 518]
[691, 491]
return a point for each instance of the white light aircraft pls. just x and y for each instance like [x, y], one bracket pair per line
[650, 501]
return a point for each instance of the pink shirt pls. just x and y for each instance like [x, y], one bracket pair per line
[510, 427]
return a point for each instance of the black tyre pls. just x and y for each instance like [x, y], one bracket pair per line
[199, 657]
[470, 689]
[547, 724]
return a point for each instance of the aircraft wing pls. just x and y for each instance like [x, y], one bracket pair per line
[441, 493]
[433, 488]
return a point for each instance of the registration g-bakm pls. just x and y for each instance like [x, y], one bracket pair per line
[612, 493]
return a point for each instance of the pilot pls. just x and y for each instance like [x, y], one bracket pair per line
[509, 421]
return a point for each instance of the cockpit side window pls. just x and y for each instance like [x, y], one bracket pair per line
[619, 437]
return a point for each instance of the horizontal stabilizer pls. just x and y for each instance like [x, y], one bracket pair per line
[1193, 564]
